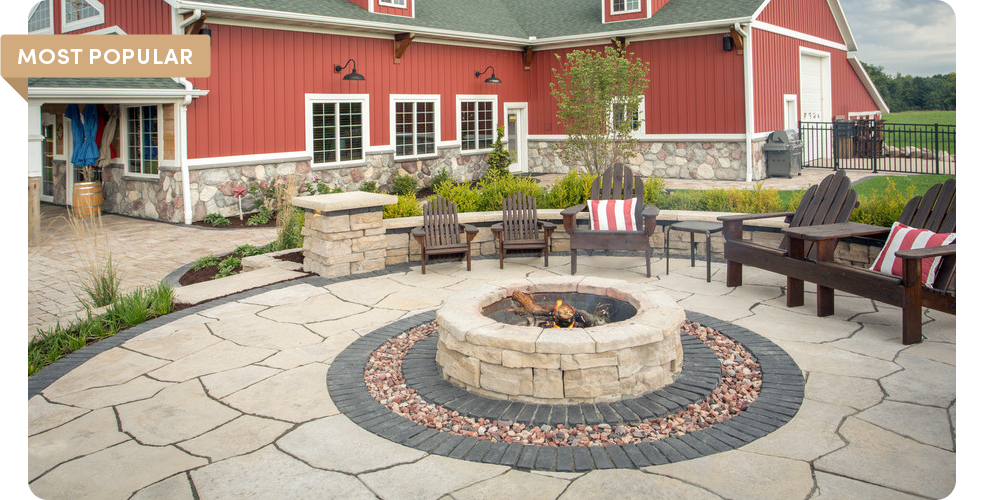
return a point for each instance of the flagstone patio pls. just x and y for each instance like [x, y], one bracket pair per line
[229, 399]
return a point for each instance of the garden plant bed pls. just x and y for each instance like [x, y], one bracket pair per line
[297, 256]
[236, 223]
[205, 274]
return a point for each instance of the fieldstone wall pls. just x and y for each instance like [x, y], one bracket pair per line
[158, 198]
[673, 160]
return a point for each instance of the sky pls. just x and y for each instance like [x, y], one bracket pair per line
[912, 37]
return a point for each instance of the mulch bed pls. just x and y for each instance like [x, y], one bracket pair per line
[297, 257]
[235, 223]
[205, 274]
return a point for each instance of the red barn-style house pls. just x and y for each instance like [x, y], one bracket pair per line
[356, 90]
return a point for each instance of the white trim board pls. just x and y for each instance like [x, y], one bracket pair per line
[779, 30]
[254, 159]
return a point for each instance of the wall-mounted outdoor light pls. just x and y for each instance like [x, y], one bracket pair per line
[351, 76]
[491, 79]
[729, 43]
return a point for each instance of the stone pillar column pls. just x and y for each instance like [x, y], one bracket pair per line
[344, 233]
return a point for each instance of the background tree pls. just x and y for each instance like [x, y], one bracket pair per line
[598, 94]
[915, 93]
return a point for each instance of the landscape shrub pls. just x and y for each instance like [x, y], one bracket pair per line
[496, 186]
[369, 187]
[217, 220]
[464, 195]
[571, 189]
[406, 206]
[441, 177]
[404, 185]
[882, 208]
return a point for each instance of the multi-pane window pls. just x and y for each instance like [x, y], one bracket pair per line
[621, 114]
[77, 10]
[336, 129]
[415, 128]
[142, 140]
[40, 18]
[477, 125]
[393, 3]
[625, 5]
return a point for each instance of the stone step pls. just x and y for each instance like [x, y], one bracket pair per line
[200, 292]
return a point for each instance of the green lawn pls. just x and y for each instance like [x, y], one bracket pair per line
[925, 139]
[876, 185]
[922, 117]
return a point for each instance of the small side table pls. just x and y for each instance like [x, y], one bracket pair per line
[692, 227]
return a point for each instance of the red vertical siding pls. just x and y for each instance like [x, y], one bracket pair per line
[393, 11]
[361, 3]
[658, 4]
[608, 17]
[695, 87]
[256, 94]
[134, 17]
[812, 17]
[777, 72]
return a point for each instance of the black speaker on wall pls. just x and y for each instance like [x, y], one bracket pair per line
[728, 43]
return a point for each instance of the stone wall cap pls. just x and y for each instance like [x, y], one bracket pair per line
[344, 201]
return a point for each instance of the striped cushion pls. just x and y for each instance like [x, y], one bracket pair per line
[904, 237]
[613, 215]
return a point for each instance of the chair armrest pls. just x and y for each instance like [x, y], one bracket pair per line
[744, 217]
[417, 232]
[576, 209]
[925, 253]
[649, 213]
[496, 228]
[468, 228]
[824, 232]
[547, 225]
[570, 216]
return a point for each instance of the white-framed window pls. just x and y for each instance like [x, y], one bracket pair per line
[416, 126]
[393, 3]
[625, 6]
[476, 121]
[39, 22]
[337, 128]
[142, 139]
[636, 117]
[78, 14]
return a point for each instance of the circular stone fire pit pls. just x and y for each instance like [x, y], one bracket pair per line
[637, 353]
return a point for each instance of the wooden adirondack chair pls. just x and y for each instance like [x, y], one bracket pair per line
[936, 211]
[829, 202]
[520, 228]
[441, 232]
[616, 183]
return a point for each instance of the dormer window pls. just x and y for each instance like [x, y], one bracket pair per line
[397, 3]
[624, 6]
[40, 21]
[78, 14]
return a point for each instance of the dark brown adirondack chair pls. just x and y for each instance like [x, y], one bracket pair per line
[441, 232]
[829, 202]
[520, 228]
[616, 183]
[936, 211]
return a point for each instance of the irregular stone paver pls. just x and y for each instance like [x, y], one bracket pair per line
[934, 351]
[834, 487]
[846, 307]
[514, 484]
[824, 358]
[214, 359]
[220, 385]
[112, 367]
[268, 473]
[882, 457]
[189, 321]
[740, 474]
[236, 437]
[724, 308]
[100, 397]
[199, 292]
[819, 420]
[286, 295]
[855, 392]
[179, 412]
[925, 424]
[296, 395]
[175, 345]
[253, 331]
[620, 483]
[356, 291]
[359, 323]
[87, 434]
[322, 307]
[795, 326]
[324, 352]
[922, 381]
[232, 311]
[115, 472]
[430, 477]
[335, 443]
[877, 341]
[45, 415]
[177, 487]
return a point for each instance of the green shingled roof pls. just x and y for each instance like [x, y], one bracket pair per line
[518, 19]
[106, 83]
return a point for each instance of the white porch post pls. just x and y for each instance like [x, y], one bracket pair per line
[34, 162]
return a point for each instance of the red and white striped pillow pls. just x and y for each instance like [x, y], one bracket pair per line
[904, 237]
[613, 215]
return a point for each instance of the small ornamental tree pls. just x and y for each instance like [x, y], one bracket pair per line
[597, 94]
[499, 158]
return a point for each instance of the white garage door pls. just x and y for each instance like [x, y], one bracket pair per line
[814, 103]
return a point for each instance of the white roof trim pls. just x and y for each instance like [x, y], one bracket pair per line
[868, 84]
[839, 17]
[109, 94]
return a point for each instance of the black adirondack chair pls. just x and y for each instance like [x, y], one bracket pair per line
[520, 228]
[441, 232]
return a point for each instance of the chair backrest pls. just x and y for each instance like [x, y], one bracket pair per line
[619, 183]
[519, 219]
[937, 211]
[441, 223]
[829, 202]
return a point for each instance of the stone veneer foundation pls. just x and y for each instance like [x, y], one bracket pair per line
[606, 363]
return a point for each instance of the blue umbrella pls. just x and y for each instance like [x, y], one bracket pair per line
[84, 128]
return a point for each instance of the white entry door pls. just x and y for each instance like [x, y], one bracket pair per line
[815, 101]
[516, 136]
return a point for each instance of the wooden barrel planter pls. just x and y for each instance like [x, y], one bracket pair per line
[87, 199]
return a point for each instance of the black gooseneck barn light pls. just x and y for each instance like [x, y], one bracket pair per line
[491, 79]
[351, 76]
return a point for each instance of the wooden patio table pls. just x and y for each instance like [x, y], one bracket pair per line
[825, 237]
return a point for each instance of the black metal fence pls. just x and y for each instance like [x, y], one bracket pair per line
[880, 147]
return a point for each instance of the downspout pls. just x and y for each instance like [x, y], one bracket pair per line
[196, 15]
[749, 99]
[183, 157]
